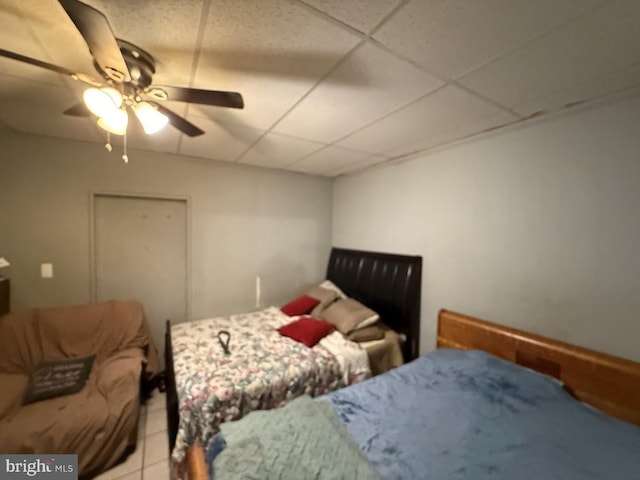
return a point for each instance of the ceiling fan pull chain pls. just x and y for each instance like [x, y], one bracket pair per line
[108, 144]
[125, 157]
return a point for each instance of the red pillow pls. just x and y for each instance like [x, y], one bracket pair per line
[300, 306]
[307, 330]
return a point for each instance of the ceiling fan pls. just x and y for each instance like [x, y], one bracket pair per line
[127, 72]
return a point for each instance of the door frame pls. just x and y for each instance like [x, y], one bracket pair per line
[93, 258]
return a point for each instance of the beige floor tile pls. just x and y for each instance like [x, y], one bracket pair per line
[132, 464]
[156, 448]
[157, 401]
[156, 422]
[157, 471]
[132, 476]
[142, 422]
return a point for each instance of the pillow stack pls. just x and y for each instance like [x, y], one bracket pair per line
[329, 305]
[308, 330]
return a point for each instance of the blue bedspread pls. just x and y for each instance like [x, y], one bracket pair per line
[469, 415]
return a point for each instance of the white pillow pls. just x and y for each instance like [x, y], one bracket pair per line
[329, 285]
[368, 321]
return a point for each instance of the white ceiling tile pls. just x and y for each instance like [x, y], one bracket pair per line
[18, 35]
[604, 41]
[166, 29]
[15, 33]
[615, 81]
[220, 141]
[354, 167]
[362, 15]
[454, 36]
[278, 151]
[60, 39]
[271, 52]
[22, 70]
[371, 83]
[445, 133]
[331, 159]
[444, 110]
[36, 108]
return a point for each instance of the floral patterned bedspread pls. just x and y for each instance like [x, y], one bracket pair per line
[263, 370]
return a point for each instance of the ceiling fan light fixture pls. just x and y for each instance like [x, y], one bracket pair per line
[101, 101]
[126, 77]
[150, 118]
[115, 121]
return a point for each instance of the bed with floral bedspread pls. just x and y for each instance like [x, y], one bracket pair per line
[263, 370]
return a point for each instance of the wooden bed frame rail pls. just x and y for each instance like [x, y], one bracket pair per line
[609, 383]
[171, 397]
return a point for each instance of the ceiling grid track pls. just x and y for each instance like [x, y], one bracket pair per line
[365, 38]
[204, 17]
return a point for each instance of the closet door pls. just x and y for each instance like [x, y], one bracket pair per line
[140, 253]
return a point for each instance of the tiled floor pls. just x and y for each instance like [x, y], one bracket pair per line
[150, 461]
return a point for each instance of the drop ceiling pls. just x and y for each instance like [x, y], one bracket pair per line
[330, 86]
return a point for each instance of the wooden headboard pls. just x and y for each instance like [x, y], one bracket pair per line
[388, 283]
[609, 383]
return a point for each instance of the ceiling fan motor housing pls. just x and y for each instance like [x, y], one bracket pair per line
[140, 63]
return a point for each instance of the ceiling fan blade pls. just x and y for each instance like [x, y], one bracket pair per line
[78, 110]
[37, 63]
[95, 29]
[181, 123]
[204, 97]
[49, 66]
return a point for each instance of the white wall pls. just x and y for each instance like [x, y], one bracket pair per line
[537, 227]
[244, 221]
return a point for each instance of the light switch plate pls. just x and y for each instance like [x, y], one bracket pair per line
[46, 270]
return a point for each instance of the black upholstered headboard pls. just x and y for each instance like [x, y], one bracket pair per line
[387, 283]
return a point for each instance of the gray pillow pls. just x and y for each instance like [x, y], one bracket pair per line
[325, 296]
[54, 378]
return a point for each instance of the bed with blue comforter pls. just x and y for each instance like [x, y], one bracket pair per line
[449, 415]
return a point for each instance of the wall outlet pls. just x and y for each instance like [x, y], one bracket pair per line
[46, 270]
